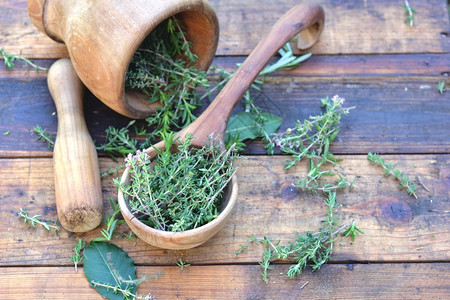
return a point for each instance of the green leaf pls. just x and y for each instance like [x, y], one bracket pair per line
[107, 264]
[244, 125]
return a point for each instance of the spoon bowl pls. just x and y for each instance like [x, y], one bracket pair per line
[304, 19]
[185, 239]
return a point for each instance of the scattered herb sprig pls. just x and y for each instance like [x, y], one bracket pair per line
[77, 257]
[390, 170]
[9, 58]
[182, 264]
[34, 220]
[44, 136]
[309, 249]
[352, 231]
[311, 139]
[111, 223]
[118, 141]
[410, 13]
[441, 87]
[125, 292]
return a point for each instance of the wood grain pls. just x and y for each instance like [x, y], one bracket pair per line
[397, 227]
[317, 67]
[352, 281]
[393, 115]
[351, 28]
[367, 55]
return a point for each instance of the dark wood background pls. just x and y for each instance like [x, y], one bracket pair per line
[369, 56]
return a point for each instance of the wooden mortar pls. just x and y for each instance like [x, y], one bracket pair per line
[103, 35]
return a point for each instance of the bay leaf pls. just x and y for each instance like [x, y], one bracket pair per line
[244, 125]
[107, 264]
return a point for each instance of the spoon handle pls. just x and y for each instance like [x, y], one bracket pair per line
[306, 19]
[77, 177]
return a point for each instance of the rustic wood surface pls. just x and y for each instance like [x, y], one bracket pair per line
[368, 55]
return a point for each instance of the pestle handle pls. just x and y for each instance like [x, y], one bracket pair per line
[78, 190]
[304, 19]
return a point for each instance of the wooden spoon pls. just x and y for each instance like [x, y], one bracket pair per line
[77, 177]
[301, 18]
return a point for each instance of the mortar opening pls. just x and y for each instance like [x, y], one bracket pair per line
[184, 40]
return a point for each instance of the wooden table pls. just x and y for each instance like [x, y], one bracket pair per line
[369, 56]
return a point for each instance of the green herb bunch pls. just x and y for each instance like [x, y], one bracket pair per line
[163, 68]
[182, 190]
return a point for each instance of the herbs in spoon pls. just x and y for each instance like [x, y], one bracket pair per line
[178, 191]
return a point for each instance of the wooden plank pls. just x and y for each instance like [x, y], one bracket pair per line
[356, 281]
[317, 67]
[17, 33]
[397, 226]
[400, 115]
[351, 28]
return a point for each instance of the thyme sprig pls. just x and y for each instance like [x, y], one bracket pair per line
[309, 249]
[111, 223]
[390, 170]
[352, 231]
[126, 292]
[77, 257]
[44, 136]
[441, 87]
[178, 191]
[313, 136]
[9, 59]
[34, 220]
[182, 264]
[410, 13]
[311, 139]
[119, 141]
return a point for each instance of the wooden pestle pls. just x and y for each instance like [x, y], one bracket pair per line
[77, 177]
